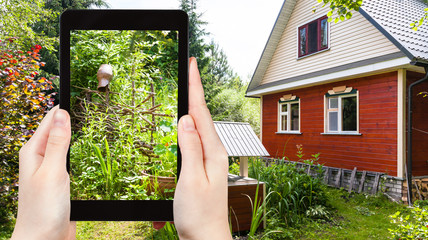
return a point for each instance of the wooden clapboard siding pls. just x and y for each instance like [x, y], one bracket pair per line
[350, 41]
[374, 150]
[420, 121]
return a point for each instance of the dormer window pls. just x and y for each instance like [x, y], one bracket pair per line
[313, 37]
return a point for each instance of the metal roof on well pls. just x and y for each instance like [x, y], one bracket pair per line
[239, 139]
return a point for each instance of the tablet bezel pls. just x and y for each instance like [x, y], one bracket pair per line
[124, 210]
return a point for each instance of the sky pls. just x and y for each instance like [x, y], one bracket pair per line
[240, 27]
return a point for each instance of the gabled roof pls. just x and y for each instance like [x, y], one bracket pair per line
[239, 139]
[391, 17]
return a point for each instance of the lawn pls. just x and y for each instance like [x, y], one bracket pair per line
[352, 216]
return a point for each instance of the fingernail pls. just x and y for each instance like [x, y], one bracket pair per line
[188, 124]
[60, 118]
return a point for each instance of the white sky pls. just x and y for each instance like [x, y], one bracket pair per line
[240, 27]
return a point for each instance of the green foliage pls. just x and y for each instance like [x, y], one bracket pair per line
[197, 33]
[117, 143]
[231, 105]
[17, 18]
[23, 103]
[295, 192]
[412, 226]
[168, 232]
[216, 74]
[342, 8]
[234, 167]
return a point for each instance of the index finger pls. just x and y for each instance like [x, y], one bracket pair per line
[214, 152]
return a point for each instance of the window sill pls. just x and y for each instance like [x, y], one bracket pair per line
[305, 56]
[350, 134]
[297, 133]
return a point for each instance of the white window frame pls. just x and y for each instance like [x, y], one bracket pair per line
[288, 114]
[339, 115]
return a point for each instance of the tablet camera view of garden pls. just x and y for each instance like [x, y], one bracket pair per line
[123, 111]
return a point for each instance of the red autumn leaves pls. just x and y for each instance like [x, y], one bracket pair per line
[23, 94]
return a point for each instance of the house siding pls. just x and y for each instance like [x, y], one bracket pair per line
[363, 42]
[420, 126]
[374, 150]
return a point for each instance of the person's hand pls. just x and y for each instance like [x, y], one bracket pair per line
[44, 184]
[200, 201]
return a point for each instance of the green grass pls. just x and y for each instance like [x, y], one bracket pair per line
[354, 216]
[115, 230]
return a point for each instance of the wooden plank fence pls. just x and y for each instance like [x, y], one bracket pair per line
[352, 180]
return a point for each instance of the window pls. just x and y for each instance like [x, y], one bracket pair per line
[288, 117]
[313, 37]
[342, 113]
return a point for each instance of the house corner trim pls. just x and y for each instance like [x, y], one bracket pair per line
[401, 122]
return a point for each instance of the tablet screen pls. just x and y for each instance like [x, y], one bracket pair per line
[124, 83]
[123, 108]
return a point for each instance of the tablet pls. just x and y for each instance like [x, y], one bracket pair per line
[123, 80]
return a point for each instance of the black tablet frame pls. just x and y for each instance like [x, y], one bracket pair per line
[124, 210]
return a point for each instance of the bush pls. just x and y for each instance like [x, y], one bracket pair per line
[296, 193]
[23, 103]
[412, 226]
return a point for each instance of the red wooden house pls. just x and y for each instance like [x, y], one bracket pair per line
[340, 89]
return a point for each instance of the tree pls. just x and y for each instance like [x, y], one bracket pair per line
[212, 61]
[17, 17]
[197, 45]
[224, 91]
[50, 27]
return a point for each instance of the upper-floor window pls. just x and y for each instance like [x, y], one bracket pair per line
[313, 37]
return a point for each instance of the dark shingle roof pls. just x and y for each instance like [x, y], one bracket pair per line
[393, 18]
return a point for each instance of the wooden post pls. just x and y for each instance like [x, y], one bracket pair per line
[376, 183]
[339, 174]
[327, 175]
[363, 179]
[343, 178]
[351, 181]
[243, 166]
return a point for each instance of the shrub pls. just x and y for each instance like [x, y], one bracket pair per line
[23, 103]
[295, 192]
[412, 226]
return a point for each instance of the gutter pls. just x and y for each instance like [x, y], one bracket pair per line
[409, 132]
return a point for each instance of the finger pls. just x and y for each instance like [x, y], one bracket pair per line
[191, 149]
[32, 153]
[38, 141]
[58, 143]
[72, 231]
[213, 149]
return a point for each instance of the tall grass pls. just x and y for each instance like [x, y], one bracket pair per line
[294, 192]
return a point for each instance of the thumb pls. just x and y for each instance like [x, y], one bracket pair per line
[58, 142]
[190, 147]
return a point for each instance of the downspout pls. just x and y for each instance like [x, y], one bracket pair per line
[409, 136]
